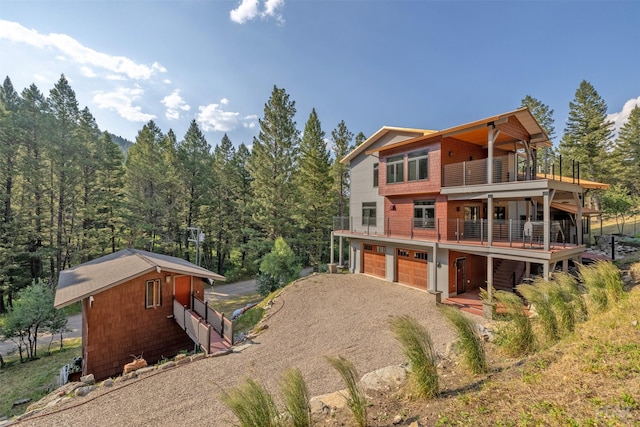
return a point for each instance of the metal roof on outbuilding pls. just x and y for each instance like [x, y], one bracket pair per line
[111, 270]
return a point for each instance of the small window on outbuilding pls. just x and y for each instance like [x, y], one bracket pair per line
[153, 294]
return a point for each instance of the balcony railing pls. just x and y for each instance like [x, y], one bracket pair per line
[511, 231]
[509, 168]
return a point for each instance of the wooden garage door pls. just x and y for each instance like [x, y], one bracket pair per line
[411, 268]
[374, 260]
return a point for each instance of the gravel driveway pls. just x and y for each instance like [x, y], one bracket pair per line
[322, 315]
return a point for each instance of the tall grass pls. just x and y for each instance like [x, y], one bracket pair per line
[538, 294]
[603, 282]
[296, 398]
[356, 400]
[469, 339]
[417, 346]
[515, 337]
[567, 301]
[252, 405]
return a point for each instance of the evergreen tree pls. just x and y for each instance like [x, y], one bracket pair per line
[313, 182]
[628, 152]
[342, 145]
[360, 138]
[273, 164]
[174, 195]
[544, 116]
[587, 135]
[145, 188]
[63, 153]
[246, 228]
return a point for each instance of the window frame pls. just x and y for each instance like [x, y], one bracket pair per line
[376, 171]
[424, 206]
[395, 169]
[414, 161]
[369, 207]
[155, 286]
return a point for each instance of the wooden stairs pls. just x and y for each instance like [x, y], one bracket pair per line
[507, 274]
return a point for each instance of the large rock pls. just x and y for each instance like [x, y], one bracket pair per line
[384, 378]
[335, 400]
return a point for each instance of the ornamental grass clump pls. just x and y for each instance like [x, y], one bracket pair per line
[356, 400]
[418, 348]
[603, 282]
[516, 336]
[252, 405]
[538, 295]
[296, 398]
[469, 340]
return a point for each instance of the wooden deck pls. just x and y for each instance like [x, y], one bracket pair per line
[468, 301]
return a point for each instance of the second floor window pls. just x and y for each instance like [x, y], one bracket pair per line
[418, 166]
[153, 294]
[424, 214]
[375, 174]
[395, 169]
[369, 213]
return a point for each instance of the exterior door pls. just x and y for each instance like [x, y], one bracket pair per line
[471, 222]
[182, 290]
[461, 275]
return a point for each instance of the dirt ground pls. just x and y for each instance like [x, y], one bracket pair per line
[322, 315]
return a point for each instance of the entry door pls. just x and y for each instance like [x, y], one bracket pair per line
[183, 290]
[461, 275]
[472, 221]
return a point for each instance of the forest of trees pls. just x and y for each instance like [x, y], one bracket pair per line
[69, 193]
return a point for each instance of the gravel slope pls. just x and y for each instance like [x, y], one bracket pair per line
[322, 315]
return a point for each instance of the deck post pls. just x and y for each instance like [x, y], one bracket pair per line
[340, 249]
[490, 219]
[490, 139]
[332, 256]
[547, 221]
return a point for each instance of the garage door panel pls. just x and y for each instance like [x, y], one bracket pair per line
[374, 260]
[411, 268]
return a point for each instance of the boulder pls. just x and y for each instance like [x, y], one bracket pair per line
[384, 378]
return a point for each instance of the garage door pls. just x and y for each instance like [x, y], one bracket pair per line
[374, 260]
[411, 268]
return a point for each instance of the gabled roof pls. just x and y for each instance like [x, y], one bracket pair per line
[476, 132]
[114, 269]
[379, 134]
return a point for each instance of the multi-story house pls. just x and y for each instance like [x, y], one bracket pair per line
[449, 211]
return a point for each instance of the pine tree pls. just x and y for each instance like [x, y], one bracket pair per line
[587, 134]
[628, 151]
[342, 145]
[243, 196]
[360, 138]
[273, 164]
[544, 116]
[314, 185]
[173, 193]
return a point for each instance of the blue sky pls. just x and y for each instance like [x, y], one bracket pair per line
[421, 64]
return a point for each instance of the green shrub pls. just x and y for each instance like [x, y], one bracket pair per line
[296, 398]
[516, 337]
[468, 339]
[417, 346]
[356, 400]
[278, 268]
[252, 405]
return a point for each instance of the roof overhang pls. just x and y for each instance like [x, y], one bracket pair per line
[573, 209]
[379, 134]
[476, 132]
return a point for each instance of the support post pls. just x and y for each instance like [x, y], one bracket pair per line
[490, 153]
[546, 218]
[490, 219]
[340, 249]
[332, 256]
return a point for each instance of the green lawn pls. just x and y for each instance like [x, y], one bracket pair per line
[33, 379]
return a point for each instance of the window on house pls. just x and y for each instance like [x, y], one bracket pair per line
[375, 174]
[369, 213]
[403, 253]
[395, 169]
[153, 294]
[420, 255]
[424, 214]
[418, 165]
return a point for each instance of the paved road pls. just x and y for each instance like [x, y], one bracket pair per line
[74, 324]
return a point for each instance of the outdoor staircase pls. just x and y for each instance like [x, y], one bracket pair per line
[507, 274]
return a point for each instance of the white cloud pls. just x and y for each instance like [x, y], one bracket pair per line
[166, 81]
[87, 72]
[621, 117]
[213, 118]
[248, 10]
[224, 101]
[116, 77]
[121, 101]
[250, 121]
[175, 103]
[76, 52]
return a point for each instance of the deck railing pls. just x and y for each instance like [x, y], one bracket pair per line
[194, 326]
[512, 231]
[221, 325]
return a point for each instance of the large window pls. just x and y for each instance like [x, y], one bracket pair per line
[375, 174]
[153, 294]
[418, 165]
[424, 214]
[395, 169]
[369, 213]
